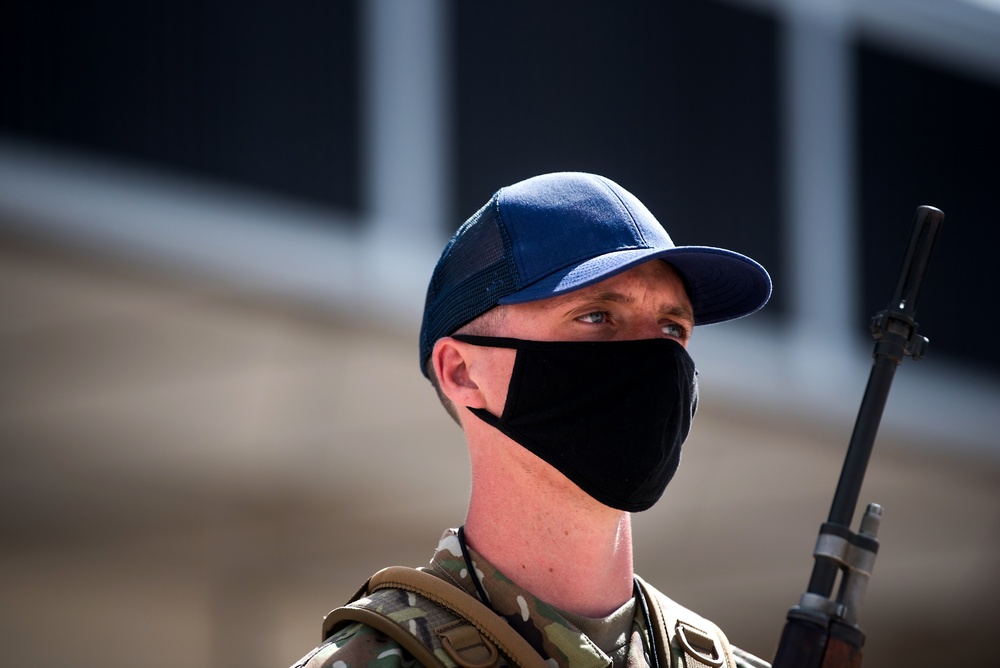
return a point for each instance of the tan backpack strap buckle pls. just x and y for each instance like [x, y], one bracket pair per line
[700, 646]
[466, 646]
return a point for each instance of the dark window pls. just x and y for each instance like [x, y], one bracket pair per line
[256, 92]
[930, 136]
[677, 101]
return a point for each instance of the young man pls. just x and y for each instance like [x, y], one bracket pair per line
[555, 331]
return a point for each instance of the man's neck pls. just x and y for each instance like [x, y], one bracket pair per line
[550, 538]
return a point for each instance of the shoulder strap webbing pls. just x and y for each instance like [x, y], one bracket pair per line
[472, 640]
[702, 643]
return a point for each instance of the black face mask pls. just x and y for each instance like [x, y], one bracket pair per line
[611, 416]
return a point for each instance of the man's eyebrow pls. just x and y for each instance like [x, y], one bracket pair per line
[588, 295]
[677, 310]
[682, 311]
[615, 297]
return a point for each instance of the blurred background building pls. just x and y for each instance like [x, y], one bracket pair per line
[217, 220]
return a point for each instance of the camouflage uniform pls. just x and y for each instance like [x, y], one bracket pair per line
[543, 626]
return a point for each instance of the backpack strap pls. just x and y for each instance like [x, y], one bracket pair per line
[467, 634]
[702, 643]
[471, 635]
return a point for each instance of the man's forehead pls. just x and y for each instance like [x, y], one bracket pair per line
[620, 288]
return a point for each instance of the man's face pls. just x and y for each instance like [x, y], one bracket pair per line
[645, 302]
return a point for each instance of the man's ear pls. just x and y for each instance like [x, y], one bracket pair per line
[453, 361]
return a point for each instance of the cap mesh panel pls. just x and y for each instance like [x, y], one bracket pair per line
[476, 269]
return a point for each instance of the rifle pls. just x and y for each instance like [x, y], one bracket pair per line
[822, 631]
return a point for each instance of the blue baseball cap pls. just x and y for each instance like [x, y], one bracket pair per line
[555, 233]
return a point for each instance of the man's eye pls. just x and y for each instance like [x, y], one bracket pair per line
[673, 329]
[595, 318]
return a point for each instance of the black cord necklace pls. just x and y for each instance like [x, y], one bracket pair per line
[473, 574]
[654, 657]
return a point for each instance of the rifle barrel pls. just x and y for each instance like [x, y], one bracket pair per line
[895, 334]
[822, 631]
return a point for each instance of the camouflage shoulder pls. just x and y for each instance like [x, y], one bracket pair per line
[746, 660]
[358, 646]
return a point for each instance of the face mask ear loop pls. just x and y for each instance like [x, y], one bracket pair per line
[489, 341]
[473, 574]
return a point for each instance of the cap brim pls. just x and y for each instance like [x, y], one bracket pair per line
[722, 285]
